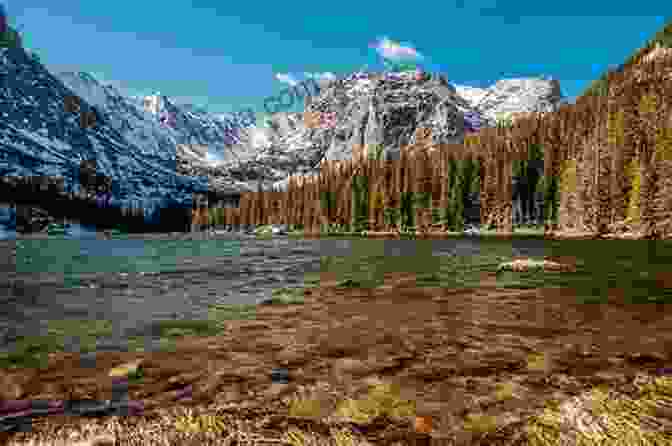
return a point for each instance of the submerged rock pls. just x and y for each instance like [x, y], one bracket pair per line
[272, 230]
[523, 265]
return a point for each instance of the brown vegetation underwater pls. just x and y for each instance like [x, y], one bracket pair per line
[397, 364]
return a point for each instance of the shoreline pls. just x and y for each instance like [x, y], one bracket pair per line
[284, 231]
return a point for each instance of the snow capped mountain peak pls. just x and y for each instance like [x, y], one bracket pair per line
[86, 86]
[40, 135]
[154, 103]
[80, 76]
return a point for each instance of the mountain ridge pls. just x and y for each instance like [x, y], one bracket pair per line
[154, 147]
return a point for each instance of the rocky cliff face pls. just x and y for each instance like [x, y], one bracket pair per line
[152, 148]
[157, 125]
[513, 96]
[369, 109]
[386, 110]
[39, 136]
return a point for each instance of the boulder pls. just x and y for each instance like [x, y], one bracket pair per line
[524, 265]
[272, 230]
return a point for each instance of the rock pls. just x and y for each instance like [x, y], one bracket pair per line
[372, 109]
[386, 111]
[280, 375]
[129, 138]
[524, 265]
[472, 231]
[514, 97]
[272, 230]
[36, 103]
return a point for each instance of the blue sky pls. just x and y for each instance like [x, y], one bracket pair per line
[224, 55]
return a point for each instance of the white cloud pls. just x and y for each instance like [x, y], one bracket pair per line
[395, 51]
[286, 78]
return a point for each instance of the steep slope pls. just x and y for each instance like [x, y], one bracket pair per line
[156, 125]
[660, 45]
[38, 136]
[510, 96]
[369, 109]
[153, 147]
[192, 126]
[373, 109]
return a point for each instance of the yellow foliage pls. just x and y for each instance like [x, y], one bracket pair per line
[305, 407]
[480, 423]
[382, 399]
[615, 128]
[635, 176]
[664, 143]
[647, 104]
[604, 417]
[568, 178]
[192, 423]
[377, 200]
[471, 140]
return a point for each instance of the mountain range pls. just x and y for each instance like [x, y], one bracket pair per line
[155, 150]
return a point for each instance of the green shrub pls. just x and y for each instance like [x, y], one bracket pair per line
[664, 36]
[504, 120]
[406, 210]
[599, 87]
[551, 189]
[10, 39]
[376, 152]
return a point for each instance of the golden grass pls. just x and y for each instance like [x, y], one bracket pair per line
[382, 399]
[479, 423]
[538, 362]
[297, 437]
[305, 407]
[343, 437]
[505, 391]
[605, 417]
[602, 416]
[338, 437]
[192, 423]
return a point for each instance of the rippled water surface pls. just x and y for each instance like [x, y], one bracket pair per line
[132, 282]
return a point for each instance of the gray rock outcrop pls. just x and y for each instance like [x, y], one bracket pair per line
[39, 136]
[374, 109]
[152, 160]
[511, 96]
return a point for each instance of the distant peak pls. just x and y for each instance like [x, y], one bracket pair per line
[81, 75]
